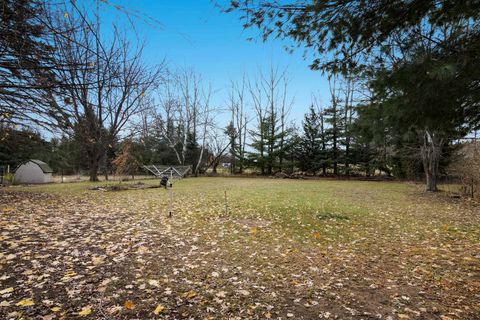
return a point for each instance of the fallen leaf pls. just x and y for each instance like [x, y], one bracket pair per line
[159, 309]
[153, 283]
[85, 311]
[129, 305]
[4, 304]
[55, 309]
[244, 292]
[190, 294]
[97, 260]
[25, 303]
[115, 309]
[8, 290]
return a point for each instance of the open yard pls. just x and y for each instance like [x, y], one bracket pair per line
[282, 249]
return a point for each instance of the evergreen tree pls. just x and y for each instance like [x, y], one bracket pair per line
[371, 140]
[426, 65]
[231, 133]
[268, 142]
[26, 64]
[334, 135]
[66, 156]
[260, 145]
[310, 144]
[20, 145]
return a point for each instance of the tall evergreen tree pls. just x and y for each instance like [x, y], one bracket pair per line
[311, 142]
[334, 135]
[259, 155]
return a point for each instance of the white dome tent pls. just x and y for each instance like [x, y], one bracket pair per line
[33, 171]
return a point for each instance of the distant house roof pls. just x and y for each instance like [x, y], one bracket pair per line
[45, 167]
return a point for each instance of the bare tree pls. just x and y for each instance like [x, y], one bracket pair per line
[259, 135]
[322, 133]
[466, 166]
[218, 145]
[285, 108]
[188, 82]
[270, 102]
[29, 64]
[239, 120]
[333, 118]
[104, 84]
[206, 124]
[167, 119]
[185, 117]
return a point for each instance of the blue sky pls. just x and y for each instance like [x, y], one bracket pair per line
[196, 34]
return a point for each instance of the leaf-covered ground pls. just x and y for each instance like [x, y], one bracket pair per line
[282, 249]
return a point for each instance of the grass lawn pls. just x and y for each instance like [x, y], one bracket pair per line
[281, 249]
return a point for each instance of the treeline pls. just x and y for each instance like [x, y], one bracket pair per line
[67, 75]
[344, 137]
[420, 60]
[401, 92]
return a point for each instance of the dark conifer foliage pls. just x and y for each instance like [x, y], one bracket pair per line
[26, 64]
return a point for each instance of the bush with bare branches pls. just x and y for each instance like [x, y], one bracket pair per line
[467, 167]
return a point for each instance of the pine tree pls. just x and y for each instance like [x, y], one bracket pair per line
[310, 144]
[231, 133]
[260, 145]
[26, 70]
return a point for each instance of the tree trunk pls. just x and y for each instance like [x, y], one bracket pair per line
[431, 182]
[324, 146]
[244, 142]
[431, 151]
[93, 170]
[197, 167]
[334, 142]
[94, 164]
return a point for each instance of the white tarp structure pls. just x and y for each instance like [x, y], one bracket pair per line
[176, 172]
[33, 171]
